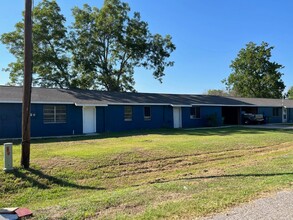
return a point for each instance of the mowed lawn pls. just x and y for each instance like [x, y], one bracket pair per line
[167, 174]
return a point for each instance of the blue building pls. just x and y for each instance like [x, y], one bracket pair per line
[57, 112]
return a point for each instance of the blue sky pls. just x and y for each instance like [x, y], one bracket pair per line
[208, 35]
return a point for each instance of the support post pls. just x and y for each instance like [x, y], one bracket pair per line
[8, 161]
[26, 101]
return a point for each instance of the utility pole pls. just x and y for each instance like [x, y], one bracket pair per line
[27, 86]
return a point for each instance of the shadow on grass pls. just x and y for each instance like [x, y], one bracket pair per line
[218, 131]
[221, 176]
[44, 181]
[238, 175]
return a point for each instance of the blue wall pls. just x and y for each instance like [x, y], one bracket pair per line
[72, 126]
[100, 117]
[290, 115]
[205, 114]
[268, 113]
[161, 117]
[111, 119]
[10, 122]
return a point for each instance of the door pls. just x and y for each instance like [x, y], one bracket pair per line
[89, 119]
[177, 117]
[284, 115]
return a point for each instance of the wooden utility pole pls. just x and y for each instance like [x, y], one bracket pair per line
[27, 86]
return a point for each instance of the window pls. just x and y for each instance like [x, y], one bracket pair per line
[194, 112]
[147, 113]
[277, 112]
[127, 113]
[54, 114]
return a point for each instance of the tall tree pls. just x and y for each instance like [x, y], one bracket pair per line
[109, 44]
[290, 93]
[220, 92]
[51, 59]
[254, 75]
[100, 50]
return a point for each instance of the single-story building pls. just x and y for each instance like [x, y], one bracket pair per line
[56, 112]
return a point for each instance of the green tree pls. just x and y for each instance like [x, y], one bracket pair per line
[109, 44]
[254, 75]
[100, 50]
[220, 92]
[290, 93]
[51, 62]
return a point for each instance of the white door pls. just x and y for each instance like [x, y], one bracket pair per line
[177, 117]
[284, 115]
[89, 119]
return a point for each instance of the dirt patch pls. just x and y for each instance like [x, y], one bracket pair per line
[160, 170]
[174, 163]
[59, 162]
[127, 209]
[137, 209]
[120, 159]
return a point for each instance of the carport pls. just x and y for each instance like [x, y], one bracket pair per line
[231, 115]
[252, 110]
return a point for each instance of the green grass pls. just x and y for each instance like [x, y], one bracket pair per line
[149, 174]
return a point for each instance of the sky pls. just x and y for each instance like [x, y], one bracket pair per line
[208, 35]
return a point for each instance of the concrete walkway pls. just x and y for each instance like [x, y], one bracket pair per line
[271, 126]
[276, 207]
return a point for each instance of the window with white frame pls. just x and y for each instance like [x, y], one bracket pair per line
[195, 112]
[147, 113]
[54, 114]
[127, 113]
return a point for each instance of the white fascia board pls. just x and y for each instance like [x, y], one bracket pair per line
[91, 105]
[138, 104]
[219, 105]
[57, 103]
[181, 106]
[39, 102]
[11, 102]
[105, 105]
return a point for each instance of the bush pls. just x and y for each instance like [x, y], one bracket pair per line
[212, 120]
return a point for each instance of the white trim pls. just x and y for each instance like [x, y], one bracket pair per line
[176, 106]
[39, 102]
[105, 105]
[133, 103]
[57, 103]
[91, 105]
[16, 102]
[219, 105]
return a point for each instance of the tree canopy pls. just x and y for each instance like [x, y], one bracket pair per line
[220, 92]
[100, 50]
[254, 75]
[290, 93]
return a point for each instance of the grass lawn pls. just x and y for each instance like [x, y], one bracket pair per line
[167, 174]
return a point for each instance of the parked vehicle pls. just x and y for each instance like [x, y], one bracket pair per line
[249, 118]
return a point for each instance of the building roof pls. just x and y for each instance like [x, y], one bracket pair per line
[13, 94]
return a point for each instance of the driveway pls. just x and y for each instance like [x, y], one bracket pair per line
[275, 207]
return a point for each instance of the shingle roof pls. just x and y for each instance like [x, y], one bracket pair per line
[13, 94]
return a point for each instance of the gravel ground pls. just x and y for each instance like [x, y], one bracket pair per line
[276, 207]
